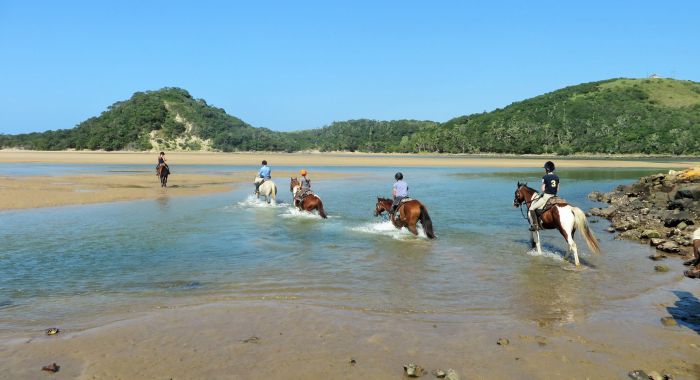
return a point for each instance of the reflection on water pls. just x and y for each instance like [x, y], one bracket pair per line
[74, 263]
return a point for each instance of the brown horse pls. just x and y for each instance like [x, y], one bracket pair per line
[163, 172]
[409, 214]
[310, 202]
[562, 217]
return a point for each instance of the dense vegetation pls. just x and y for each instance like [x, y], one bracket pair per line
[659, 116]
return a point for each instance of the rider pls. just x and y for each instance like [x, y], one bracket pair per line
[264, 174]
[161, 162]
[399, 191]
[550, 187]
[304, 186]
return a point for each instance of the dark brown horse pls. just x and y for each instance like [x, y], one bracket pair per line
[310, 202]
[563, 217]
[410, 212]
[163, 172]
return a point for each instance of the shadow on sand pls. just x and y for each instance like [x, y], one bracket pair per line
[686, 311]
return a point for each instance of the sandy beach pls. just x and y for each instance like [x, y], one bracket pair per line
[331, 159]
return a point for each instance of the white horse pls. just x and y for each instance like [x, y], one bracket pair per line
[565, 218]
[268, 189]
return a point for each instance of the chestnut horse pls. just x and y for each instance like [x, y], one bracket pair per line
[163, 172]
[310, 202]
[563, 217]
[409, 214]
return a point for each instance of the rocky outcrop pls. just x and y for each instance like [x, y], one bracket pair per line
[661, 209]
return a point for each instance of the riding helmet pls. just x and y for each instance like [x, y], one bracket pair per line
[549, 166]
[398, 176]
[264, 162]
[162, 153]
[302, 171]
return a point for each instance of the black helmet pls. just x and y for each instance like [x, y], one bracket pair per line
[398, 176]
[264, 162]
[162, 153]
[549, 166]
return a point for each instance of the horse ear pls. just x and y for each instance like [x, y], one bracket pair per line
[519, 184]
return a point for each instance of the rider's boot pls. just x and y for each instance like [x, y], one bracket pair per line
[534, 221]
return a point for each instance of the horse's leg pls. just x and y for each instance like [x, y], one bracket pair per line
[566, 229]
[536, 237]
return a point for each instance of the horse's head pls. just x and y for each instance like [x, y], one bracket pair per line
[521, 194]
[293, 182]
[382, 205]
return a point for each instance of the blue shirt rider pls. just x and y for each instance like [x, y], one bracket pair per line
[264, 174]
[399, 191]
[550, 187]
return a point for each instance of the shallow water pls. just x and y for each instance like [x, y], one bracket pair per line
[71, 265]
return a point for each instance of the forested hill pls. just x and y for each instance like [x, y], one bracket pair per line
[653, 116]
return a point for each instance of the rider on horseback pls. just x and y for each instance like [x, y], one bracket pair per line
[161, 162]
[304, 187]
[399, 191]
[264, 174]
[550, 187]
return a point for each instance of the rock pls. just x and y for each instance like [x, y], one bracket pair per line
[610, 229]
[625, 225]
[676, 219]
[439, 373]
[604, 212]
[681, 226]
[669, 246]
[638, 375]
[596, 196]
[688, 193]
[668, 321]
[413, 370]
[451, 375]
[673, 232]
[661, 268]
[692, 273]
[653, 375]
[657, 256]
[656, 241]
[353, 361]
[648, 234]
[631, 235]
[52, 331]
[680, 204]
[53, 367]
[252, 339]
[503, 342]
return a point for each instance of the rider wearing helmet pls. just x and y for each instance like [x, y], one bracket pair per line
[161, 162]
[264, 174]
[304, 186]
[550, 187]
[399, 191]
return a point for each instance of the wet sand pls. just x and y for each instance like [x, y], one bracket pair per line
[291, 340]
[333, 159]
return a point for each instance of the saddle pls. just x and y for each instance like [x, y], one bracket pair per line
[551, 202]
[404, 200]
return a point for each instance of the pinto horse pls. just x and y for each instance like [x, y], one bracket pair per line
[410, 212]
[163, 172]
[563, 217]
[310, 202]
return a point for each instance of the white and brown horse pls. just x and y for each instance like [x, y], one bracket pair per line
[563, 217]
[308, 203]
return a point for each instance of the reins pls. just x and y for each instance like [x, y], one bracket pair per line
[526, 203]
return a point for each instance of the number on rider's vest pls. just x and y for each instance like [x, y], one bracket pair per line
[554, 183]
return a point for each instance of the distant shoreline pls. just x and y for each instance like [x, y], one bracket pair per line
[344, 159]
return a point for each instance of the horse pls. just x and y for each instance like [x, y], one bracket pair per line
[310, 202]
[410, 212]
[563, 217]
[268, 189]
[163, 172]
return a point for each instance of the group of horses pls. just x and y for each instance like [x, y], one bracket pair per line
[560, 216]
[407, 214]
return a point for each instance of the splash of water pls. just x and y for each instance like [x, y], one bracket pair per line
[386, 228]
[252, 201]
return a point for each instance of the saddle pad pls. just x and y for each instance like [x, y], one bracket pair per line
[407, 199]
[555, 201]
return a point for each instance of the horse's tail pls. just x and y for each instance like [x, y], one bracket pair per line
[426, 222]
[321, 211]
[273, 192]
[580, 222]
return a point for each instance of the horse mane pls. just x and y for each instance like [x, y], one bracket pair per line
[381, 199]
[521, 184]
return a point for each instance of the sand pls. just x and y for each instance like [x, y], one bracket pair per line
[292, 340]
[22, 192]
[332, 159]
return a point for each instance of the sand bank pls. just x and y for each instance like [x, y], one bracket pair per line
[23, 192]
[291, 340]
[329, 159]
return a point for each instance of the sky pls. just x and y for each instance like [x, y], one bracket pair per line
[291, 65]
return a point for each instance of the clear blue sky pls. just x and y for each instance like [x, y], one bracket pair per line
[289, 65]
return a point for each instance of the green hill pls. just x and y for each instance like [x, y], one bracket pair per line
[651, 116]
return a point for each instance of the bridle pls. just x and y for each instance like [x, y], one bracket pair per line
[520, 204]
